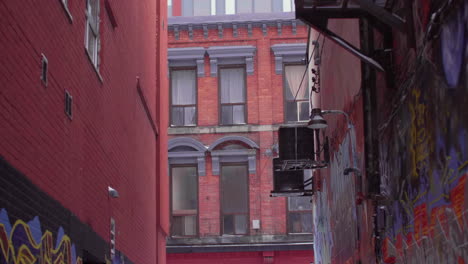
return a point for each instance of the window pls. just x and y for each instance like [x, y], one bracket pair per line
[229, 7]
[288, 6]
[296, 107]
[184, 200]
[300, 211]
[235, 201]
[244, 6]
[232, 93]
[199, 8]
[299, 215]
[262, 6]
[92, 31]
[169, 8]
[184, 97]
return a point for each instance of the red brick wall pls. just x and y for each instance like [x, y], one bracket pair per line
[110, 140]
[279, 257]
[265, 107]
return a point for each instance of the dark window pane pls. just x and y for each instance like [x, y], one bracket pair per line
[202, 8]
[226, 114]
[184, 188]
[241, 224]
[181, 149]
[189, 118]
[307, 222]
[233, 146]
[304, 111]
[291, 111]
[238, 114]
[177, 116]
[184, 225]
[299, 203]
[262, 6]
[228, 224]
[177, 226]
[187, 7]
[294, 223]
[234, 189]
[243, 6]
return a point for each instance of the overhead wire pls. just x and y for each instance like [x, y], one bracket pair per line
[307, 68]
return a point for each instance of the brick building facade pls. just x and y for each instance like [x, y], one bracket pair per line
[234, 72]
[80, 111]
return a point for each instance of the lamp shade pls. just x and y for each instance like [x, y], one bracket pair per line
[316, 120]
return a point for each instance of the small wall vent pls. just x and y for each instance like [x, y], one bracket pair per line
[68, 104]
[44, 69]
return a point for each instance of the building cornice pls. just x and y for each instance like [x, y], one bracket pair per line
[237, 21]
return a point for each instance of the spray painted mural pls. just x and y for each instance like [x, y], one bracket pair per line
[336, 233]
[25, 243]
[424, 147]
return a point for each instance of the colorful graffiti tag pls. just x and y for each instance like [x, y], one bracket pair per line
[25, 243]
[424, 169]
[335, 212]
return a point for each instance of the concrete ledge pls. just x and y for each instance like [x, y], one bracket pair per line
[227, 129]
[231, 243]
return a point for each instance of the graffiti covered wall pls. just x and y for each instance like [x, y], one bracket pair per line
[423, 143]
[336, 223]
[25, 243]
[35, 228]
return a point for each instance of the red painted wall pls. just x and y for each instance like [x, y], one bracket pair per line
[344, 233]
[110, 140]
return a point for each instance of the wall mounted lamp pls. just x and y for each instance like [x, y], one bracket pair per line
[112, 192]
[318, 122]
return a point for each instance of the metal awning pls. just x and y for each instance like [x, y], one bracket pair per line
[316, 13]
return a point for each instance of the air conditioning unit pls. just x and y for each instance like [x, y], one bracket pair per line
[296, 143]
[290, 182]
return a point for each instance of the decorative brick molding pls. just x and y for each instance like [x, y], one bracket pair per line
[197, 156]
[193, 56]
[288, 53]
[234, 155]
[222, 55]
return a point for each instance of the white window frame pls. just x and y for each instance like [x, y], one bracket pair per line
[93, 24]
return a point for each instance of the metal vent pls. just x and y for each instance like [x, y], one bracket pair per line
[44, 69]
[68, 105]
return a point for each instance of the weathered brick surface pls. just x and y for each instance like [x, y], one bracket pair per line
[265, 107]
[110, 140]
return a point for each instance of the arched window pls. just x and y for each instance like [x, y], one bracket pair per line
[186, 163]
[234, 149]
[233, 159]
